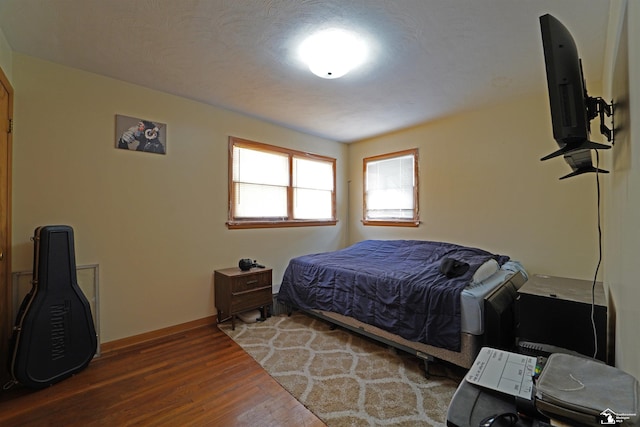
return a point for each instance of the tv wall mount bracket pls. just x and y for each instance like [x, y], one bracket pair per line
[577, 154]
[599, 107]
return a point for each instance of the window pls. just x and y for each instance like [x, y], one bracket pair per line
[391, 189]
[276, 187]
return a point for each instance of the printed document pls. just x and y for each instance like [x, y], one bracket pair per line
[503, 371]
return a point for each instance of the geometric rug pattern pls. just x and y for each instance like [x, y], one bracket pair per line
[347, 379]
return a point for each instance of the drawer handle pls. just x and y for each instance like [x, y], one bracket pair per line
[251, 282]
[251, 290]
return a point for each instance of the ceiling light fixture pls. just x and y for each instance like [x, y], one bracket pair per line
[333, 52]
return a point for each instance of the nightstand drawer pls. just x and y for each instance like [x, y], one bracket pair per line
[241, 284]
[251, 299]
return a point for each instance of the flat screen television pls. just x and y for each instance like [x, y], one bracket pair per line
[571, 107]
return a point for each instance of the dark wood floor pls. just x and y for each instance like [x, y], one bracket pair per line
[198, 377]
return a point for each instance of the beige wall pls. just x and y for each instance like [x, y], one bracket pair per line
[622, 235]
[154, 223]
[6, 55]
[482, 184]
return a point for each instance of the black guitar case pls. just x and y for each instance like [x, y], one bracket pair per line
[54, 335]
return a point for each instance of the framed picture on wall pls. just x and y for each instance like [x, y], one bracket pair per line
[137, 134]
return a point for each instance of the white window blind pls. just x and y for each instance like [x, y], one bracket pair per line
[261, 180]
[272, 185]
[390, 188]
[313, 189]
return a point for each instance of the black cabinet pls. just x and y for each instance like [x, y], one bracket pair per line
[558, 311]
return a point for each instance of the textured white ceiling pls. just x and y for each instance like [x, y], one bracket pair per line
[430, 58]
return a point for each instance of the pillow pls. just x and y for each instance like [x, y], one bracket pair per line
[485, 271]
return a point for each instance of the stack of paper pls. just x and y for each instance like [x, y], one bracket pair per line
[507, 372]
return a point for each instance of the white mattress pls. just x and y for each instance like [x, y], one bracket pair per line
[472, 297]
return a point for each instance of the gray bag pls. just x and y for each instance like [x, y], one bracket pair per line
[587, 391]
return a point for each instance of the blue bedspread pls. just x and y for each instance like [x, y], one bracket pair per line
[395, 285]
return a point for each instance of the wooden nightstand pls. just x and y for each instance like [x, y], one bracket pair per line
[237, 291]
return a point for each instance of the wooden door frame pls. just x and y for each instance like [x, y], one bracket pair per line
[5, 282]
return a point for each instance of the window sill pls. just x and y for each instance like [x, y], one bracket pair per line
[235, 225]
[389, 223]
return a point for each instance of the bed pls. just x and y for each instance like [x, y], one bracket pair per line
[431, 299]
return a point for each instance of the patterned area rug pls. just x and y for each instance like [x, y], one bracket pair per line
[346, 379]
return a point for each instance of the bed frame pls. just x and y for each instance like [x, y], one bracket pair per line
[496, 333]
